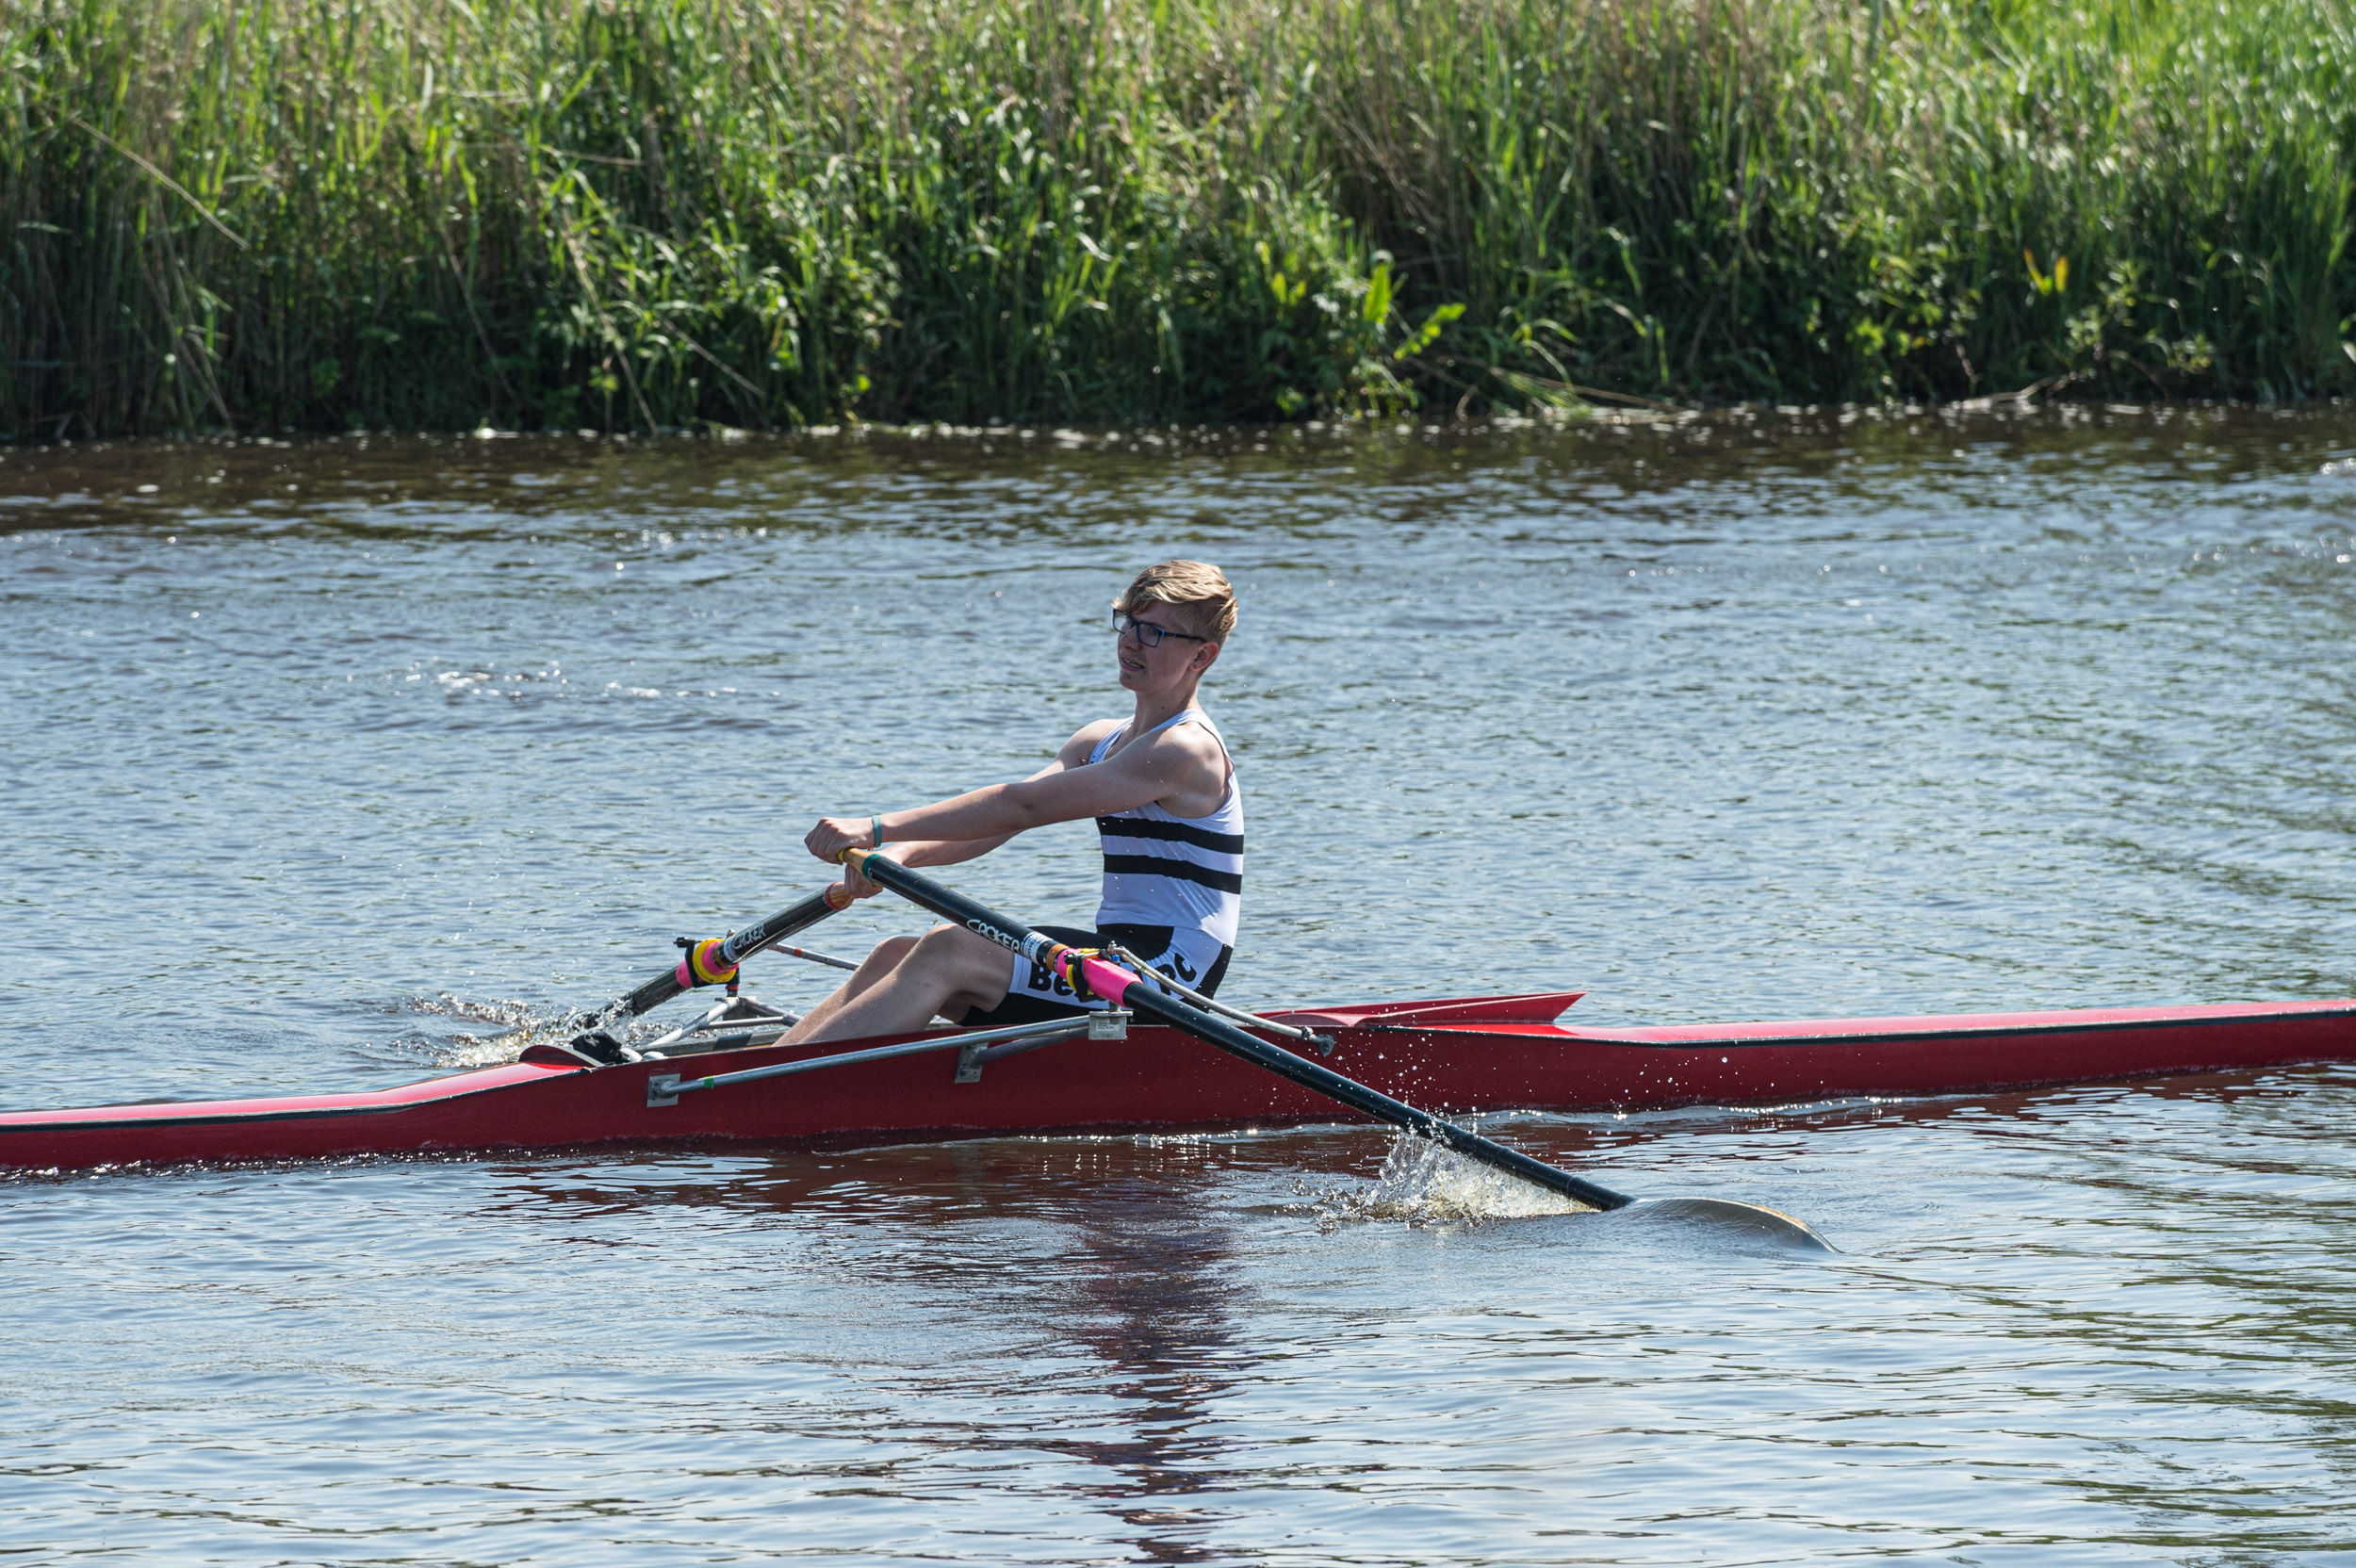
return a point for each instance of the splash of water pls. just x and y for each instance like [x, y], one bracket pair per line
[1424, 1182]
[520, 1025]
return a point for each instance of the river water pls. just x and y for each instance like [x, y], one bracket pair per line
[326, 762]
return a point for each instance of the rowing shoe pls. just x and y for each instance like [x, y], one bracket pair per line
[1090, 975]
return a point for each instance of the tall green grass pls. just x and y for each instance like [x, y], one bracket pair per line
[644, 213]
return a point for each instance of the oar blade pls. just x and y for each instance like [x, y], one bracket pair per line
[1737, 1220]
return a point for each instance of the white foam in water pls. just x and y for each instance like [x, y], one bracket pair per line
[1425, 1183]
[521, 1025]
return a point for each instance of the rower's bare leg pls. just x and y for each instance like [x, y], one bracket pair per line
[881, 962]
[948, 971]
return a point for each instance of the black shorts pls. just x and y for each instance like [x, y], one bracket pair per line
[1035, 995]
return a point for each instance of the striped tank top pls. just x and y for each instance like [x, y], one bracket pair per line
[1181, 872]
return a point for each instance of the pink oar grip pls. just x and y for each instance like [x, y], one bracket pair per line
[1109, 981]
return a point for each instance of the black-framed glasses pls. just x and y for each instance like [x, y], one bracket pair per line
[1148, 635]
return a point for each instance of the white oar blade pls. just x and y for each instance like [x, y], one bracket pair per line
[1745, 1219]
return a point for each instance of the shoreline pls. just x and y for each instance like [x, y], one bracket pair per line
[1786, 418]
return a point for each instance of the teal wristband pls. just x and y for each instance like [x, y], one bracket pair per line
[874, 829]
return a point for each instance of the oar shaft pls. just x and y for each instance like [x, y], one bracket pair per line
[1117, 986]
[1140, 997]
[737, 948]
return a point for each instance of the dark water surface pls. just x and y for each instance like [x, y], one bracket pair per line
[323, 762]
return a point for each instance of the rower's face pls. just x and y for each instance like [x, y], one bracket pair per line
[1144, 668]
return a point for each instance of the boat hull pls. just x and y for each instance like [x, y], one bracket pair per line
[1454, 1056]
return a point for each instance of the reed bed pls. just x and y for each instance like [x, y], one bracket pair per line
[623, 214]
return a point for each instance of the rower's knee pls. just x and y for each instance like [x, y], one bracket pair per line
[882, 959]
[970, 960]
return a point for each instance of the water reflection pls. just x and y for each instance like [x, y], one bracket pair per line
[1101, 1247]
[1158, 1287]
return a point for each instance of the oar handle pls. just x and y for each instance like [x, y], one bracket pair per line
[1117, 985]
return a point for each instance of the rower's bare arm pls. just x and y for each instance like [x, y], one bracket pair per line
[920, 847]
[1166, 766]
[943, 851]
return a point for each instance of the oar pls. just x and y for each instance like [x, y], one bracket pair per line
[1093, 975]
[706, 963]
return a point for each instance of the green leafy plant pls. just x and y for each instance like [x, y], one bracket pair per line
[672, 213]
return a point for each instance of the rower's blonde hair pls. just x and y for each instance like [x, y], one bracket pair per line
[1196, 590]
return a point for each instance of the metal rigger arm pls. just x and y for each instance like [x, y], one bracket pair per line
[975, 1050]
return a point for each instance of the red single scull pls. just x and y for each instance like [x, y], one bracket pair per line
[1460, 1055]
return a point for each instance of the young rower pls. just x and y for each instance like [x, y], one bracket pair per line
[1163, 795]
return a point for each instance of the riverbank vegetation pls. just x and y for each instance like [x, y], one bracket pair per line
[657, 213]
